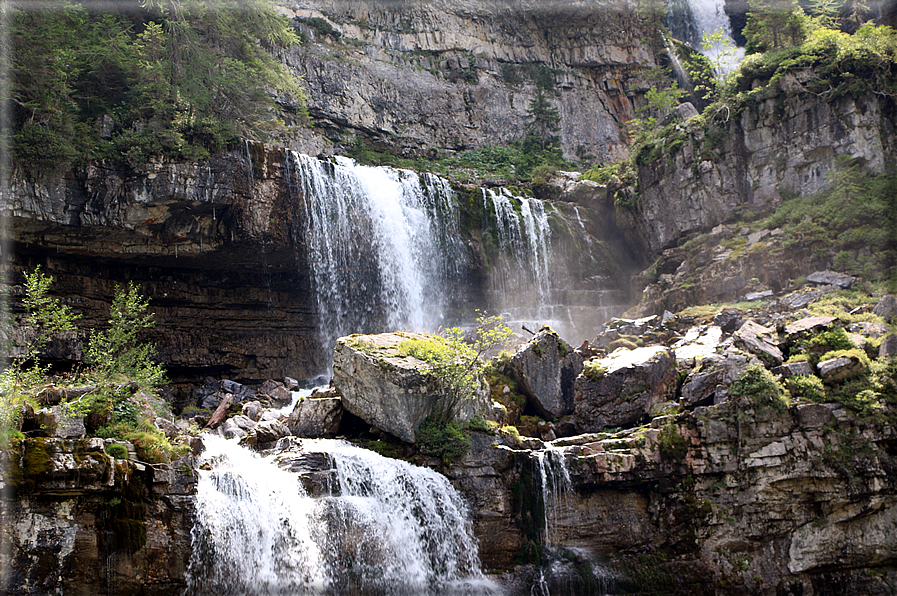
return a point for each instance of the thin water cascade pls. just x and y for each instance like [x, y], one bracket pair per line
[384, 246]
[385, 527]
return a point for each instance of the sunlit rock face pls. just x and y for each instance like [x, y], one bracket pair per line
[457, 75]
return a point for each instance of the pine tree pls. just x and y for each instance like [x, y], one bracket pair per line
[542, 119]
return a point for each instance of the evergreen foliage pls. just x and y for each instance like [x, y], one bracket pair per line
[180, 78]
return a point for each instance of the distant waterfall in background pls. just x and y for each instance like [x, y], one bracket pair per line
[380, 527]
[689, 20]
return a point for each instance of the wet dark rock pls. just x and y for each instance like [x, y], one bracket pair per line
[729, 319]
[276, 392]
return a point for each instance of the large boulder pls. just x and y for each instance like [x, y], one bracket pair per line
[545, 370]
[622, 388]
[391, 392]
[213, 391]
[758, 340]
[886, 308]
[60, 422]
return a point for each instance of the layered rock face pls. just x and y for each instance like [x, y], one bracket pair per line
[77, 521]
[461, 74]
[214, 245]
[788, 142]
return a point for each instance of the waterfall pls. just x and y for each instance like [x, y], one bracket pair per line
[385, 527]
[383, 244]
[689, 20]
[556, 486]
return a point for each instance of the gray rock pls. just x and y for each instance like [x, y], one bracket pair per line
[545, 370]
[252, 410]
[729, 319]
[803, 297]
[813, 415]
[826, 278]
[168, 427]
[707, 385]
[290, 383]
[810, 324]
[888, 347]
[753, 338]
[686, 110]
[840, 369]
[276, 392]
[393, 393]
[867, 329]
[229, 429]
[244, 422]
[316, 418]
[758, 295]
[886, 308]
[61, 423]
[268, 431]
[213, 391]
[794, 369]
[633, 383]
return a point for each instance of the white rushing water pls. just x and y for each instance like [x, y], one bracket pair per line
[383, 246]
[710, 17]
[386, 527]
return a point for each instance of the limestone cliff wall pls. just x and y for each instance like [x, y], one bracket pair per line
[456, 74]
[214, 245]
[786, 142]
[76, 521]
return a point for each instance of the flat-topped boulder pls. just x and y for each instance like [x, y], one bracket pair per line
[622, 388]
[392, 392]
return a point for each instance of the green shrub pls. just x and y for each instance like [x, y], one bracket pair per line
[117, 451]
[809, 387]
[672, 445]
[445, 441]
[760, 386]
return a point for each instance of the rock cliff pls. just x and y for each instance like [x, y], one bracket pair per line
[457, 74]
[77, 521]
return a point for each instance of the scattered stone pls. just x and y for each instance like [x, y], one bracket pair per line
[840, 369]
[545, 370]
[729, 319]
[826, 278]
[316, 418]
[268, 431]
[794, 369]
[801, 298]
[810, 324]
[632, 326]
[634, 381]
[867, 329]
[243, 422]
[252, 410]
[229, 429]
[752, 337]
[757, 237]
[276, 392]
[886, 308]
[753, 296]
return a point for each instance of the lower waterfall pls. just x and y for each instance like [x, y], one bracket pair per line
[378, 527]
